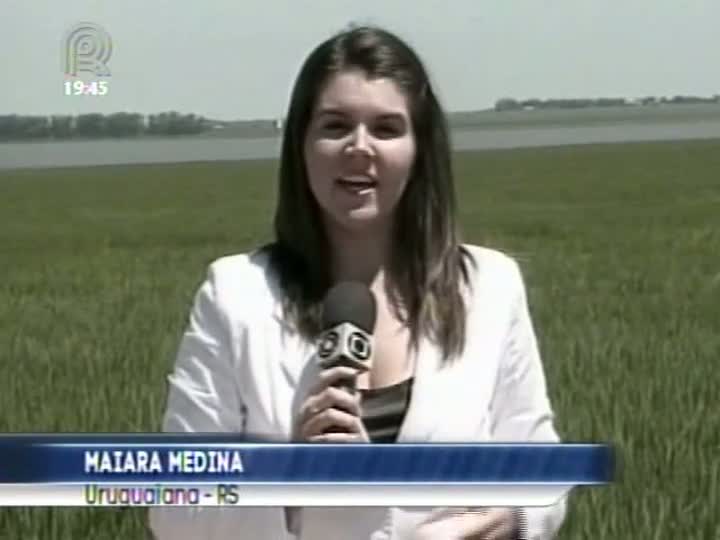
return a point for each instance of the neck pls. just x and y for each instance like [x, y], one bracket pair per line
[360, 255]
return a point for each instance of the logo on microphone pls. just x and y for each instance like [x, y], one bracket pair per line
[345, 344]
[359, 346]
[328, 344]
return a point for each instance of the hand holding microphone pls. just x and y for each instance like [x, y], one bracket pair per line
[331, 411]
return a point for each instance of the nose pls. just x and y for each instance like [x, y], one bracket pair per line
[360, 142]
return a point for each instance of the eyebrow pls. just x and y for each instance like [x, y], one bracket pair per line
[332, 111]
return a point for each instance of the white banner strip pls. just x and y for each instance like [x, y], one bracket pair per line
[278, 495]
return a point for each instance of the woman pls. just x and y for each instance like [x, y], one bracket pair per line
[366, 194]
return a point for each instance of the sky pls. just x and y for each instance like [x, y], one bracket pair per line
[230, 59]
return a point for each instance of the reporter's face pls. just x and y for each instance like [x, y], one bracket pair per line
[359, 150]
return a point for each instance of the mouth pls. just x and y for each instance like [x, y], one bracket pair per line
[357, 184]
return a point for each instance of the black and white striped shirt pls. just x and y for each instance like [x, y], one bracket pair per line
[383, 410]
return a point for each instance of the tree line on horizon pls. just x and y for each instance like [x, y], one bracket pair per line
[96, 125]
[123, 124]
[511, 104]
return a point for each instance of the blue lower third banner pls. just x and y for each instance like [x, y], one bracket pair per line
[81, 459]
[282, 474]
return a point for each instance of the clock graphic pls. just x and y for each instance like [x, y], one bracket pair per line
[90, 88]
[86, 48]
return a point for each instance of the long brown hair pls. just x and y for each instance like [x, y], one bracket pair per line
[429, 268]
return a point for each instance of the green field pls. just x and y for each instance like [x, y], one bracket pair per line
[620, 245]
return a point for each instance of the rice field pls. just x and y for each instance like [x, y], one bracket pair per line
[620, 246]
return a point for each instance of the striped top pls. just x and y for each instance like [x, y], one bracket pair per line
[383, 410]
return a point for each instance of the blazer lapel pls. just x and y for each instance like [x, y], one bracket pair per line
[293, 352]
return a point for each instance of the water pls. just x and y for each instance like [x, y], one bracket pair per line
[104, 152]
[512, 137]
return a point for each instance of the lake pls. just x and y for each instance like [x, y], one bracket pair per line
[105, 152]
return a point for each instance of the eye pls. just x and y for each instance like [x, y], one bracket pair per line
[388, 131]
[334, 125]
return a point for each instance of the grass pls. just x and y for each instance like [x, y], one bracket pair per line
[620, 245]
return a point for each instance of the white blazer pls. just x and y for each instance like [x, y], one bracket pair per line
[240, 368]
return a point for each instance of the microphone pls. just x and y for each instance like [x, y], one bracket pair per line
[348, 320]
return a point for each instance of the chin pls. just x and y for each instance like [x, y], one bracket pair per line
[365, 218]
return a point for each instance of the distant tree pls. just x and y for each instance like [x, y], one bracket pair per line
[157, 124]
[189, 124]
[532, 103]
[610, 102]
[9, 127]
[61, 127]
[174, 123]
[37, 127]
[124, 124]
[684, 100]
[15, 127]
[90, 125]
[507, 104]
